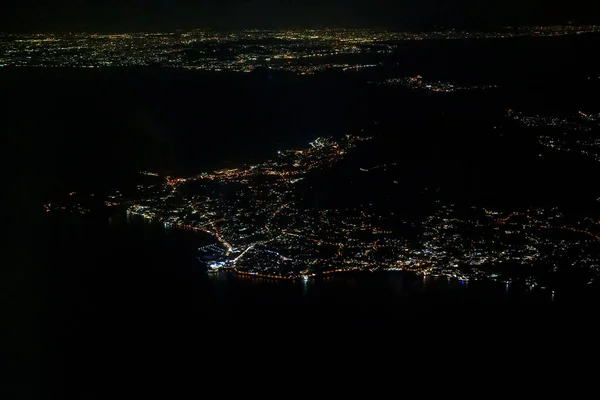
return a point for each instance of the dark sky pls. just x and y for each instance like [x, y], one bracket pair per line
[132, 15]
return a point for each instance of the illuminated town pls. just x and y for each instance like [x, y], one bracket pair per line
[298, 51]
[575, 134]
[262, 225]
[417, 83]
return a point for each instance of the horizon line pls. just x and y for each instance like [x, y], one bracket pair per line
[172, 31]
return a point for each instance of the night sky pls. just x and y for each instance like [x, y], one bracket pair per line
[135, 15]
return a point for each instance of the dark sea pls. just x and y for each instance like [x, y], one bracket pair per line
[102, 302]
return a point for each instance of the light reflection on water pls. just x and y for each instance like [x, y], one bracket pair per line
[305, 286]
[425, 282]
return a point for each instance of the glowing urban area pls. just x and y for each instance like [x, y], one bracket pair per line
[299, 51]
[263, 226]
